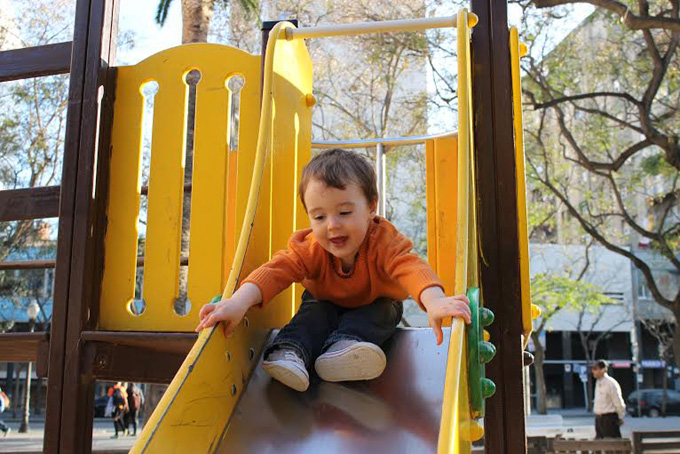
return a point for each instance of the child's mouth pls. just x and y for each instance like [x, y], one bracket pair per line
[339, 241]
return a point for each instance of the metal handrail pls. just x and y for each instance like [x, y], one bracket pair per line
[360, 28]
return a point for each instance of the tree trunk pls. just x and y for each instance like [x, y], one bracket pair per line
[676, 335]
[590, 392]
[196, 16]
[541, 389]
[664, 395]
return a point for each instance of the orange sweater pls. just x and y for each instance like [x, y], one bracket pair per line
[385, 267]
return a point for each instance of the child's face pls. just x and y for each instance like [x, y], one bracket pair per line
[339, 218]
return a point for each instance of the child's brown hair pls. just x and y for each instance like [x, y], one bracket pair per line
[336, 168]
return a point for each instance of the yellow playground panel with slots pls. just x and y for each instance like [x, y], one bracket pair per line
[244, 208]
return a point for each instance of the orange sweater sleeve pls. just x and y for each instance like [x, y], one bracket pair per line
[412, 272]
[277, 274]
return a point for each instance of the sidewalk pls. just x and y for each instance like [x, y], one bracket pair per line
[579, 424]
[32, 441]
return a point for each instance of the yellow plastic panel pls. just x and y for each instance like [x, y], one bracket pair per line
[166, 190]
[431, 203]
[209, 246]
[442, 207]
[120, 260]
[208, 241]
[195, 410]
[523, 231]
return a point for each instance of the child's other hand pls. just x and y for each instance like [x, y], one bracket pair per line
[447, 306]
[229, 311]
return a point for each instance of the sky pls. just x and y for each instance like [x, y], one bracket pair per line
[150, 38]
[138, 15]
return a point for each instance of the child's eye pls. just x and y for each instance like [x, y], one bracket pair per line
[319, 217]
[345, 213]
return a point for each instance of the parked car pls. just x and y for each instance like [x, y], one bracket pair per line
[651, 400]
[100, 406]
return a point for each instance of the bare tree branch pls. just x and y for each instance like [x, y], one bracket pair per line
[632, 21]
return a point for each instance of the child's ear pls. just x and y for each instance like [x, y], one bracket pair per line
[374, 208]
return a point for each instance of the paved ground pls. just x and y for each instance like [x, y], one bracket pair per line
[580, 425]
[32, 441]
[568, 424]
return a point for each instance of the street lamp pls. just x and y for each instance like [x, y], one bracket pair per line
[32, 311]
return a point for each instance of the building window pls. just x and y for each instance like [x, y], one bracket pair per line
[643, 291]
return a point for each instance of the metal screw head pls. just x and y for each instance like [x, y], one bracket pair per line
[101, 361]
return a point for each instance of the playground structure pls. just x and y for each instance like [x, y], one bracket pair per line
[243, 209]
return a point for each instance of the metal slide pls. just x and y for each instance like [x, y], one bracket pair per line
[399, 412]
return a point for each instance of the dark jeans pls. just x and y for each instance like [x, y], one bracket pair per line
[607, 426]
[118, 425]
[319, 324]
[131, 418]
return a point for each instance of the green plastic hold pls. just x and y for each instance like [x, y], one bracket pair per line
[486, 316]
[486, 352]
[488, 388]
[216, 299]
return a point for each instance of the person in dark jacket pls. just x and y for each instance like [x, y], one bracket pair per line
[135, 399]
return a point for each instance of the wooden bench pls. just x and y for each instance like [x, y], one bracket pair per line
[662, 442]
[543, 445]
[604, 446]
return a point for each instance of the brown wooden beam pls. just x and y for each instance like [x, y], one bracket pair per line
[27, 265]
[30, 203]
[106, 361]
[497, 218]
[178, 343]
[20, 347]
[35, 61]
[68, 425]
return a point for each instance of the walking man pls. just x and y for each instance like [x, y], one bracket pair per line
[610, 409]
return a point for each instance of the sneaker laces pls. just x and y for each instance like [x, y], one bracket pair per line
[290, 355]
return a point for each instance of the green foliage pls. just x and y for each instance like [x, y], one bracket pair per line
[553, 293]
[656, 165]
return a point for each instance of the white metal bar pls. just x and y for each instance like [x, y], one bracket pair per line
[380, 172]
[361, 28]
[366, 143]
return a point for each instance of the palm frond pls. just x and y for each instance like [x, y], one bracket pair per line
[162, 11]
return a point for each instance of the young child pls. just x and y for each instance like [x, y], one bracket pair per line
[356, 268]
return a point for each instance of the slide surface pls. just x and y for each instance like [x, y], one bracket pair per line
[399, 412]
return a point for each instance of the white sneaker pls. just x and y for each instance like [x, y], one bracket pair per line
[350, 360]
[287, 367]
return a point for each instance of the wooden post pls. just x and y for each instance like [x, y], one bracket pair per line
[499, 251]
[68, 426]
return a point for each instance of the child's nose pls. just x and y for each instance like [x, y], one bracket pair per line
[334, 222]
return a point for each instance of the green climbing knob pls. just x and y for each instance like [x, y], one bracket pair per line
[486, 316]
[488, 388]
[486, 352]
[216, 299]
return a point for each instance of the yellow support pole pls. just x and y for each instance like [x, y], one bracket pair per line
[457, 430]
[515, 54]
